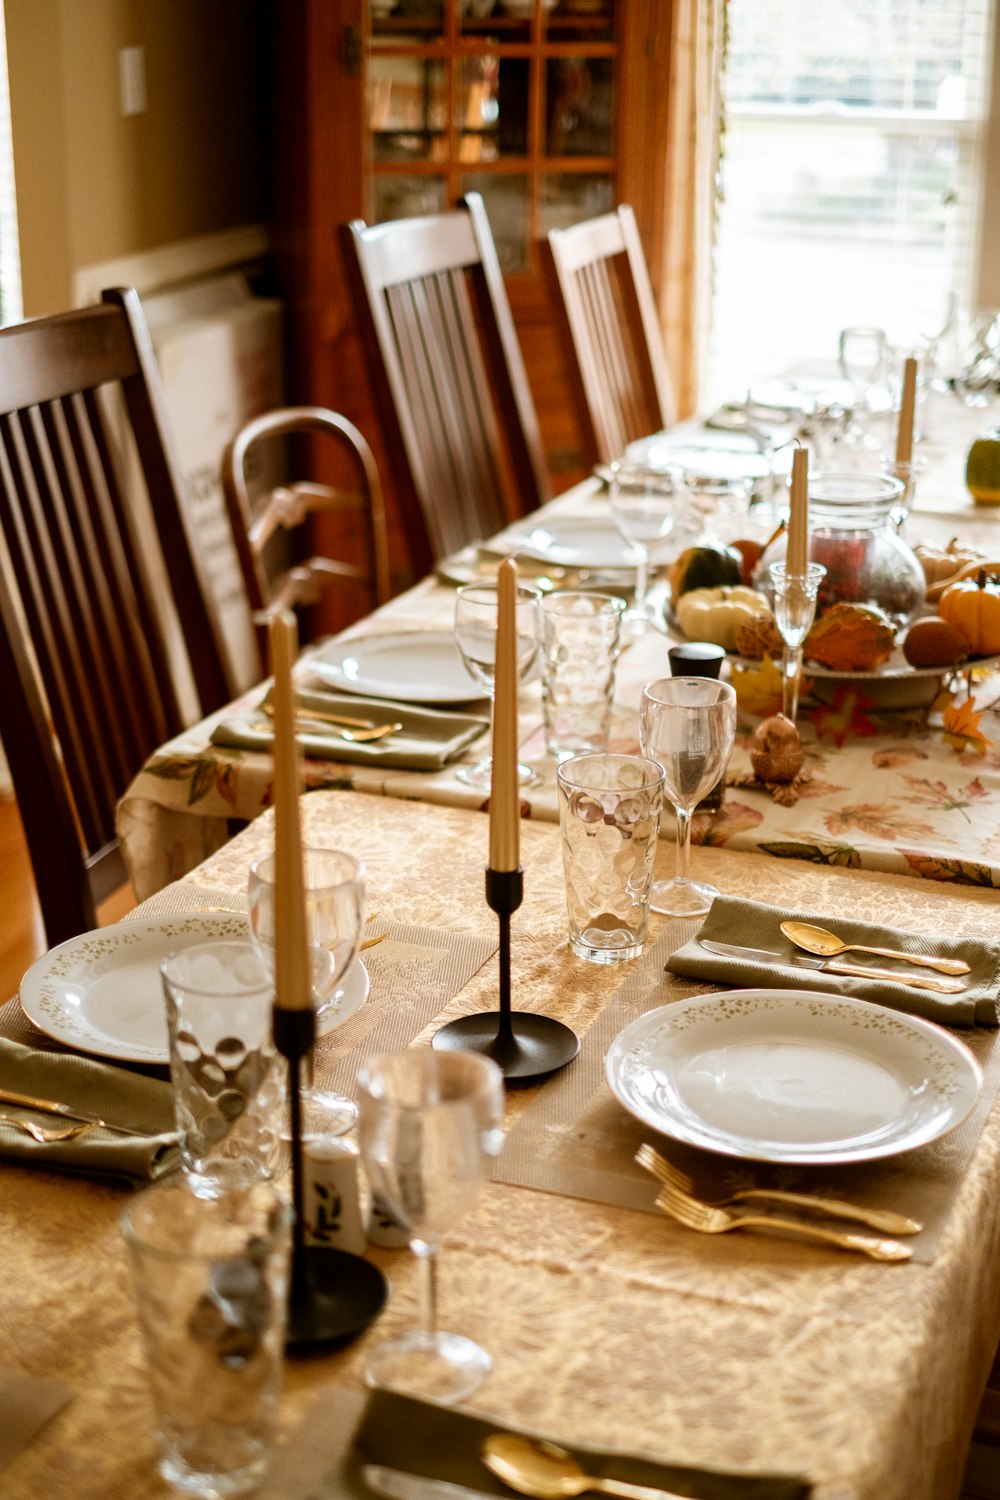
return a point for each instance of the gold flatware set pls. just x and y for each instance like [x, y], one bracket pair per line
[356, 731]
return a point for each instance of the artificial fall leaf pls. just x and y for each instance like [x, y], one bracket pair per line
[897, 756]
[732, 818]
[962, 727]
[844, 718]
[758, 689]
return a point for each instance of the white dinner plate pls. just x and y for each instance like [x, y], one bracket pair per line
[413, 666]
[570, 541]
[792, 1076]
[102, 993]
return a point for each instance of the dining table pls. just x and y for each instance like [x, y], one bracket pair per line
[612, 1328]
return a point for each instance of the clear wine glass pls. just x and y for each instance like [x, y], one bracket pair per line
[476, 635]
[688, 725]
[863, 353]
[334, 884]
[430, 1123]
[794, 611]
[646, 505]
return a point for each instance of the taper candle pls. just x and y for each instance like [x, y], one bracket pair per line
[907, 407]
[797, 555]
[292, 985]
[505, 832]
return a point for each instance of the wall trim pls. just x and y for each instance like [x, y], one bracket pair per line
[185, 260]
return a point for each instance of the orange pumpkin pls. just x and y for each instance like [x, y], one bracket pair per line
[973, 607]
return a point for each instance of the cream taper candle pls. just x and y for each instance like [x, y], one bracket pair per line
[505, 809]
[292, 985]
[797, 555]
[907, 408]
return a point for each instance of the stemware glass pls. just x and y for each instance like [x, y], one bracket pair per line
[794, 611]
[646, 505]
[334, 885]
[688, 725]
[476, 635]
[430, 1123]
[862, 353]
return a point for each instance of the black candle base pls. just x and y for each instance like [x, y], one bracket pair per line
[334, 1297]
[533, 1047]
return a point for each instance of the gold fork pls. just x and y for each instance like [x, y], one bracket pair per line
[709, 1220]
[47, 1134]
[876, 1218]
[362, 735]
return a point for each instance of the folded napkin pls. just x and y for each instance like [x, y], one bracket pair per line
[421, 1437]
[27, 1404]
[427, 740]
[754, 925]
[131, 1100]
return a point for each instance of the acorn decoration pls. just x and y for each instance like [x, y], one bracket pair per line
[776, 752]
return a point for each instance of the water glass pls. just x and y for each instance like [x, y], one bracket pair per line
[609, 815]
[476, 607]
[580, 646]
[228, 1080]
[211, 1286]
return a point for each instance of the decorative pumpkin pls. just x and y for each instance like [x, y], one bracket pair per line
[973, 607]
[704, 568]
[850, 638]
[970, 569]
[982, 469]
[716, 614]
[940, 563]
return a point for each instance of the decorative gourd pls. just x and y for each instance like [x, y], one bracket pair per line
[982, 469]
[850, 638]
[759, 636]
[933, 642]
[940, 563]
[973, 607]
[716, 614]
[704, 568]
[970, 569]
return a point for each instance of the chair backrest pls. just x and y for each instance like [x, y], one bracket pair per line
[260, 510]
[87, 686]
[616, 357]
[448, 380]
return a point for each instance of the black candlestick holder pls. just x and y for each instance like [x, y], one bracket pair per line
[333, 1295]
[524, 1046]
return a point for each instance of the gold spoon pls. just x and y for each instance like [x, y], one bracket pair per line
[548, 1473]
[363, 735]
[818, 940]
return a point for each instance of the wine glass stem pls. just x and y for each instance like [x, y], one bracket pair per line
[791, 668]
[427, 1256]
[683, 843]
[641, 580]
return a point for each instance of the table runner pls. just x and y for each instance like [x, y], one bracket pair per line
[577, 1139]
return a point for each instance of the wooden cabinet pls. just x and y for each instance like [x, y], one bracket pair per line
[388, 108]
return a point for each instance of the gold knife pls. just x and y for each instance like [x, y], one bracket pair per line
[829, 966]
[51, 1107]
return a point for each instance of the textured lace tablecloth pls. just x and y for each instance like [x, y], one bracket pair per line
[607, 1326]
[886, 791]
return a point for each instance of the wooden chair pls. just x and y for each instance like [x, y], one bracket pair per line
[87, 686]
[260, 512]
[604, 300]
[448, 380]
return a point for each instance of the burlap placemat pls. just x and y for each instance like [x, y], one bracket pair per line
[576, 1139]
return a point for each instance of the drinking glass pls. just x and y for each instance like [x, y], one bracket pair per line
[687, 724]
[794, 612]
[334, 884]
[862, 353]
[476, 635]
[646, 505]
[430, 1123]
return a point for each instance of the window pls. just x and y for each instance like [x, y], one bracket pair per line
[849, 176]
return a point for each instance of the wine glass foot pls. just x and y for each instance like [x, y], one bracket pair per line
[442, 1366]
[682, 898]
[326, 1113]
[481, 774]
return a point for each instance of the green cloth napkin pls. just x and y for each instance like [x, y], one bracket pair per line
[427, 741]
[439, 1442]
[132, 1100]
[754, 925]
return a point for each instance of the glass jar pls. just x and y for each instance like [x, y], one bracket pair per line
[852, 533]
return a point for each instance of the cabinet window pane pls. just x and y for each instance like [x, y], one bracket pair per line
[506, 200]
[478, 109]
[580, 98]
[402, 197]
[568, 198]
[407, 109]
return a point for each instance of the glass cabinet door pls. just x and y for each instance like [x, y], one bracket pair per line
[514, 99]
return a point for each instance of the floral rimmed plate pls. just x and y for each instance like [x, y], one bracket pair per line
[101, 992]
[792, 1076]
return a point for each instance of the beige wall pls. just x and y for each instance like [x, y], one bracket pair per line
[93, 185]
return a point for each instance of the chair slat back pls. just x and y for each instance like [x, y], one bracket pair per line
[448, 378]
[614, 345]
[88, 682]
[258, 513]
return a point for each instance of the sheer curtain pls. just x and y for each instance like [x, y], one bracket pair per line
[692, 173]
